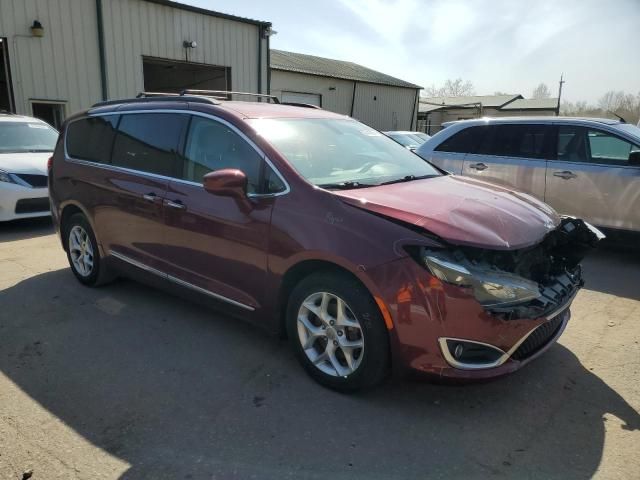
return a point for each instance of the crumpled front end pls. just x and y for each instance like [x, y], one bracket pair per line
[551, 270]
[469, 312]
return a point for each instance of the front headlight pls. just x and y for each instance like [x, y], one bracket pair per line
[491, 288]
[5, 177]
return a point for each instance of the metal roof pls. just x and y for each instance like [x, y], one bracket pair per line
[327, 67]
[532, 104]
[495, 101]
[211, 13]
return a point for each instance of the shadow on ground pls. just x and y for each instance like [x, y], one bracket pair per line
[614, 269]
[180, 392]
[25, 229]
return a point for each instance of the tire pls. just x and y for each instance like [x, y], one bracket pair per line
[78, 227]
[345, 366]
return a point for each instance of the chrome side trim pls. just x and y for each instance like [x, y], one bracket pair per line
[138, 264]
[178, 281]
[153, 175]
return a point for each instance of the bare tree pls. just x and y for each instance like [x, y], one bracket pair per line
[541, 91]
[618, 102]
[451, 88]
[611, 100]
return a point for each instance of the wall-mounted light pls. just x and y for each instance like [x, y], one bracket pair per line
[332, 88]
[189, 44]
[268, 32]
[37, 30]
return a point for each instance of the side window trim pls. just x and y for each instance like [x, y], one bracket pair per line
[553, 142]
[253, 145]
[182, 148]
[113, 140]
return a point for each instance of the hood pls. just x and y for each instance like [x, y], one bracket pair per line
[29, 163]
[461, 210]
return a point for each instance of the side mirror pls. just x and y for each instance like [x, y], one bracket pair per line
[634, 158]
[228, 182]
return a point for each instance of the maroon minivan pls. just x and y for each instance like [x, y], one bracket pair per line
[311, 224]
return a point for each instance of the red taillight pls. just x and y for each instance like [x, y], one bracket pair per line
[49, 163]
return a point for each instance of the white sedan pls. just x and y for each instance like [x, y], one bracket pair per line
[25, 146]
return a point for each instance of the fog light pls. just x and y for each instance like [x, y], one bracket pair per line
[470, 355]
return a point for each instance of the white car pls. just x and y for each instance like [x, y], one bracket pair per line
[25, 146]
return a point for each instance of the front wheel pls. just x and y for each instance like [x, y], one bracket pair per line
[337, 332]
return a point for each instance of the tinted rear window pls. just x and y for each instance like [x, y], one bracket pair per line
[149, 141]
[464, 141]
[91, 138]
[516, 140]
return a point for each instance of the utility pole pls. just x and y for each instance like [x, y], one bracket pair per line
[559, 94]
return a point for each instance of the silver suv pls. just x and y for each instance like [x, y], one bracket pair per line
[589, 168]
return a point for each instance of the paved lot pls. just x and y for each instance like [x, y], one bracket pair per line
[128, 382]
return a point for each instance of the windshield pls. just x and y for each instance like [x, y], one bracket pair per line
[19, 137]
[341, 153]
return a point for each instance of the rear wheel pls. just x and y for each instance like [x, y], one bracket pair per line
[337, 332]
[82, 252]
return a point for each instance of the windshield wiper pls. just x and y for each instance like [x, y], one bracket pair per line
[345, 185]
[407, 178]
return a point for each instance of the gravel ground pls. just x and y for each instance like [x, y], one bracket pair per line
[126, 382]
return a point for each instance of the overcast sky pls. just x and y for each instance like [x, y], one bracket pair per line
[499, 45]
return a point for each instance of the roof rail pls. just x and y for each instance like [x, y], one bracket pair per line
[143, 97]
[156, 94]
[304, 105]
[223, 94]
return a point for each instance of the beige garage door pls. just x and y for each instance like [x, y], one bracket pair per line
[297, 97]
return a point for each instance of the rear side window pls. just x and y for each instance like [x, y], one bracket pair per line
[91, 138]
[148, 142]
[464, 141]
[528, 141]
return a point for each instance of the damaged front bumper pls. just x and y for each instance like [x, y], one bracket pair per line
[472, 339]
[467, 354]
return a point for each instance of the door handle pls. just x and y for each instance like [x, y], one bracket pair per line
[175, 204]
[150, 197]
[566, 174]
[478, 166]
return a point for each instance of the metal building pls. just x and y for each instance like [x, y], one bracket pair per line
[379, 100]
[434, 111]
[61, 56]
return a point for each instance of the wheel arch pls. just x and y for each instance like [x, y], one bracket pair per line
[69, 209]
[300, 270]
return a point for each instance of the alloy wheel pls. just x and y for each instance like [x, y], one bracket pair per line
[330, 334]
[81, 251]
